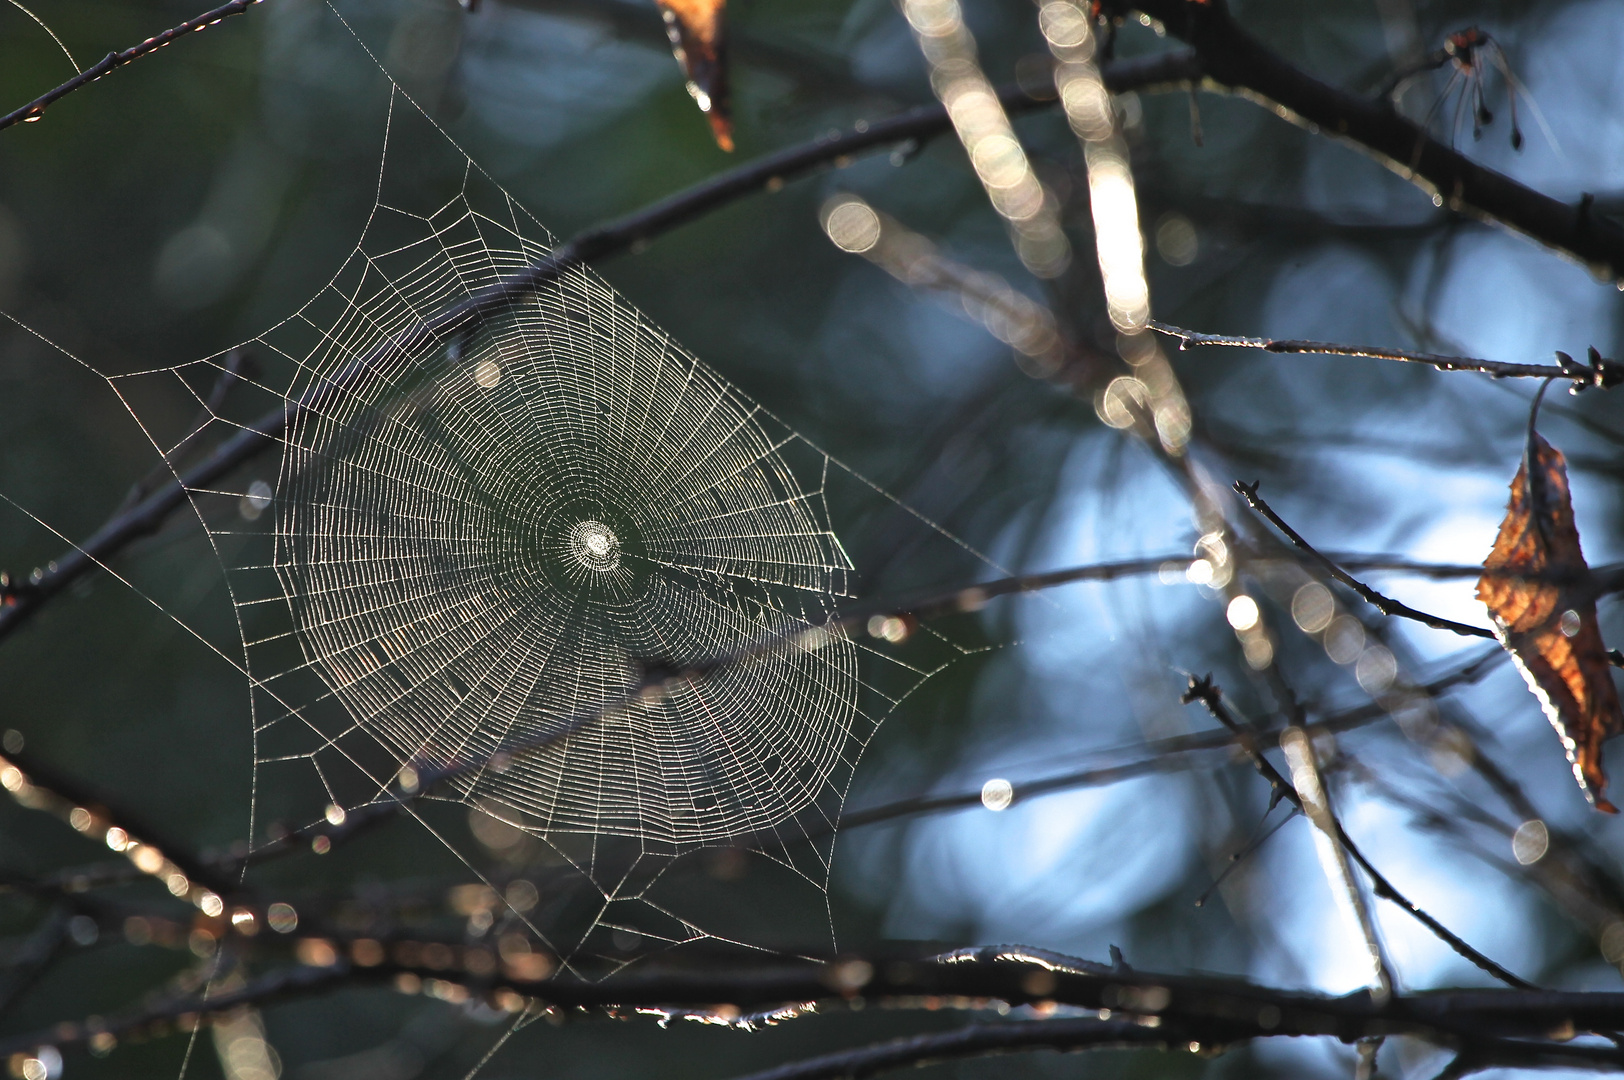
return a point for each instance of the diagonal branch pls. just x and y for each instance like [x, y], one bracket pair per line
[1159, 755]
[1206, 692]
[1383, 604]
[36, 108]
[1234, 58]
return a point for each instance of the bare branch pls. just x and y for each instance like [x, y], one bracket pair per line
[1159, 755]
[1607, 373]
[1315, 801]
[657, 681]
[1206, 692]
[36, 785]
[981, 1040]
[1381, 603]
[36, 108]
[1234, 58]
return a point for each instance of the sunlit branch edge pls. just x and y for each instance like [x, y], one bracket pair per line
[1480, 1023]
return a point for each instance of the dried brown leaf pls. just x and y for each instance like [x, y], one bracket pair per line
[1536, 587]
[698, 33]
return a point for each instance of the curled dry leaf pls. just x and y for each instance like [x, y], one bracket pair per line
[1536, 586]
[699, 39]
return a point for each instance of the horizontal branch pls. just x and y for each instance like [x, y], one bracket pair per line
[617, 236]
[1479, 1023]
[1234, 58]
[1071, 1035]
[36, 108]
[1192, 339]
[984, 1039]
[659, 681]
[1158, 755]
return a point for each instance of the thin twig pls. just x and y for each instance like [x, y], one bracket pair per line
[36, 108]
[1253, 845]
[31, 959]
[53, 790]
[1383, 604]
[1157, 756]
[1314, 798]
[1233, 57]
[1191, 339]
[1208, 693]
[979, 1040]
[659, 681]
[232, 371]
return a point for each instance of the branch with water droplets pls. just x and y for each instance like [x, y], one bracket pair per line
[1600, 372]
[35, 109]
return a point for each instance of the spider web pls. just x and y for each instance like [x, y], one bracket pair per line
[485, 548]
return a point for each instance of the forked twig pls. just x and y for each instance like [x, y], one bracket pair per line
[1208, 693]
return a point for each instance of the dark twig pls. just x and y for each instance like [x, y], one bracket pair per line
[1160, 755]
[1262, 836]
[1157, 756]
[1175, 68]
[1383, 604]
[1208, 693]
[1234, 58]
[36, 108]
[33, 957]
[235, 369]
[1601, 372]
[981, 1040]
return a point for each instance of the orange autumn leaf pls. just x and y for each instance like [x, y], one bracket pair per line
[699, 39]
[1547, 619]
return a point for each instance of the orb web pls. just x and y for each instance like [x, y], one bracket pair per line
[501, 541]
[498, 542]
[483, 542]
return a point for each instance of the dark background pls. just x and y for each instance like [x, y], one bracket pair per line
[184, 204]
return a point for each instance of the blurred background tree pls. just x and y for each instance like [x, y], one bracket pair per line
[185, 204]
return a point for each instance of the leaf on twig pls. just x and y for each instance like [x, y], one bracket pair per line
[698, 36]
[1536, 586]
